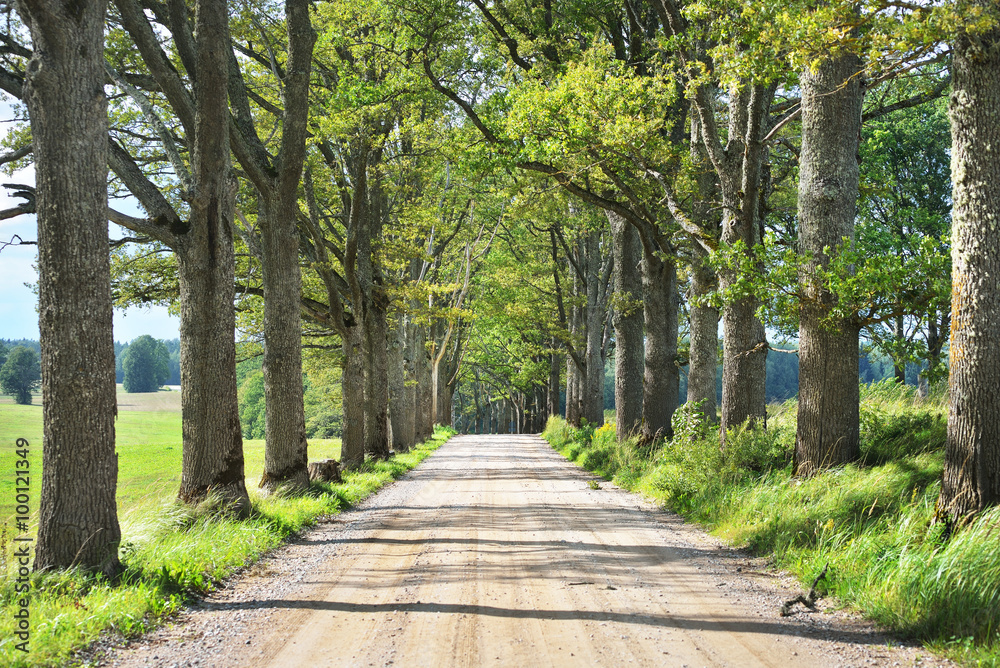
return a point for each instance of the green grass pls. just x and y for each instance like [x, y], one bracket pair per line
[148, 444]
[171, 552]
[871, 521]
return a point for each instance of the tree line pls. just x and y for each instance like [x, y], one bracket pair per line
[417, 198]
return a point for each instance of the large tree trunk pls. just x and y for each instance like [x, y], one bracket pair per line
[661, 380]
[828, 428]
[744, 359]
[213, 446]
[398, 409]
[445, 405]
[409, 414]
[286, 456]
[352, 448]
[972, 455]
[704, 324]
[422, 363]
[555, 364]
[573, 378]
[213, 442]
[593, 385]
[376, 376]
[703, 320]
[574, 375]
[627, 322]
[64, 91]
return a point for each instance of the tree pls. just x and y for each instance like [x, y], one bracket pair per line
[627, 320]
[275, 178]
[827, 430]
[904, 213]
[20, 374]
[972, 454]
[64, 93]
[200, 233]
[146, 365]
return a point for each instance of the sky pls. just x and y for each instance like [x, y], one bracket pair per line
[18, 315]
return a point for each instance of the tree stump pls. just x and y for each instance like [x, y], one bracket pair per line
[325, 470]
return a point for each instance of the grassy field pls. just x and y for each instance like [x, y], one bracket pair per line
[171, 552]
[872, 521]
[148, 435]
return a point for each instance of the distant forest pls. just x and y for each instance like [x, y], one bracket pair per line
[782, 370]
[782, 375]
[173, 347]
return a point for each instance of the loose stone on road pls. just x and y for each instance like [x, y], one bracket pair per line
[497, 552]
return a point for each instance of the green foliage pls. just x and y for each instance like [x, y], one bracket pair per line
[689, 423]
[20, 374]
[322, 401]
[904, 213]
[252, 407]
[324, 411]
[145, 365]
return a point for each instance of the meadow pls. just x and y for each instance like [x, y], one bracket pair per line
[148, 443]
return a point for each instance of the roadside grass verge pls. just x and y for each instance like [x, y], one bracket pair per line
[871, 521]
[174, 553]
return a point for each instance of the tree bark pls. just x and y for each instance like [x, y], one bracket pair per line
[627, 321]
[286, 457]
[704, 326]
[398, 409]
[661, 380]
[573, 371]
[703, 321]
[376, 376]
[445, 404]
[828, 428]
[899, 366]
[213, 442]
[64, 91]
[408, 417]
[972, 455]
[593, 385]
[352, 448]
[422, 362]
[555, 364]
[744, 358]
[572, 414]
[374, 311]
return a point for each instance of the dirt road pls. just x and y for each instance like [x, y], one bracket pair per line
[496, 552]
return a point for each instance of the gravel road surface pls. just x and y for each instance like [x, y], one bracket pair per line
[497, 552]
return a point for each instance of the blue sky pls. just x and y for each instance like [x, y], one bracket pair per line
[18, 316]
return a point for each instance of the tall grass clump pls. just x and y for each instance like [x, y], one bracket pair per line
[172, 553]
[872, 521]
